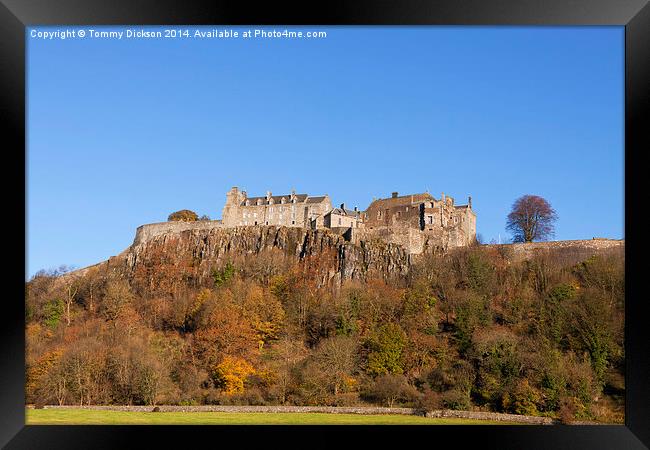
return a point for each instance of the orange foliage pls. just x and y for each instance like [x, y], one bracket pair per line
[231, 373]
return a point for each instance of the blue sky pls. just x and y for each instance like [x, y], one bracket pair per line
[124, 132]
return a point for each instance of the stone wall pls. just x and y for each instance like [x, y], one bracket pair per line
[149, 231]
[578, 249]
[498, 417]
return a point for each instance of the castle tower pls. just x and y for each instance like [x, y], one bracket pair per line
[231, 210]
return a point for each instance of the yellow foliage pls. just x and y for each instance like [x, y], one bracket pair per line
[231, 373]
[33, 330]
[265, 313]
[267, 376]
[42, 366]
[203, 295]
[351, 383]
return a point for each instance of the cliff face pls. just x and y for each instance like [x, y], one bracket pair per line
[195, 251]
[186, 253]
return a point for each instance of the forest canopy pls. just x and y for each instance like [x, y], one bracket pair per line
[466, 330]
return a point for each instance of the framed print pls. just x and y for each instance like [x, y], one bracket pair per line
[242, 217]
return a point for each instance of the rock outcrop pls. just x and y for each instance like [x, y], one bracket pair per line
[198, 250]
[191, 251]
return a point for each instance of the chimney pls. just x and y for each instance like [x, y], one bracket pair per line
[442, 197]
[469, 202]
[343, 206]
[356, 209]
[268, 195]
[395, 194]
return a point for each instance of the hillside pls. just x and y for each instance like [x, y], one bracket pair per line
[195, 314]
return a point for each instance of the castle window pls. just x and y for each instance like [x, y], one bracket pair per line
[293, 222]
[339, 221]
[399, 214]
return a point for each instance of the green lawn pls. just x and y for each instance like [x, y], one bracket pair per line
[98, 417]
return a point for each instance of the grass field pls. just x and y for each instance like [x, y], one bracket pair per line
[99, 417]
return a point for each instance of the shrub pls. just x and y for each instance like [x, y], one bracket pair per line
[457, 400]
[568, 410]
[184, 215]
[389, 389]
[522, 400]
[430, 400]
[223, 275]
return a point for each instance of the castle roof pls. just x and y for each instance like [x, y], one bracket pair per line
[318, 199]
[300, 198]
[343, 212]
[403, 200]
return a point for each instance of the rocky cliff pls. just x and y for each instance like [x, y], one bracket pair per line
[167, 252]
[192, 252]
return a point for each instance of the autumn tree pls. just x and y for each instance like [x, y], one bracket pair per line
[117, 295]
[386, 348]
[287, 353]
[184, 215]
[231, 373]
[337, 357]
[531, 219]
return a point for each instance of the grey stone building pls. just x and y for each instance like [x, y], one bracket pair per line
[343, 217]
[415, 219]
[418, 222]
[290, 210]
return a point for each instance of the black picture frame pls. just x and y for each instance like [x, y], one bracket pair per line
[634, 15]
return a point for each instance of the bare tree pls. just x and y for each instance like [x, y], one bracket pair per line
[531, 219]
[337, 358]
[71, 292]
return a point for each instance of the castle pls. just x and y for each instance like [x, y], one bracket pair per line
[419, 222]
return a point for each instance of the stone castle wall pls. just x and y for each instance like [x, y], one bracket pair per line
[577, 248]
[147, 232]
[413, 240]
